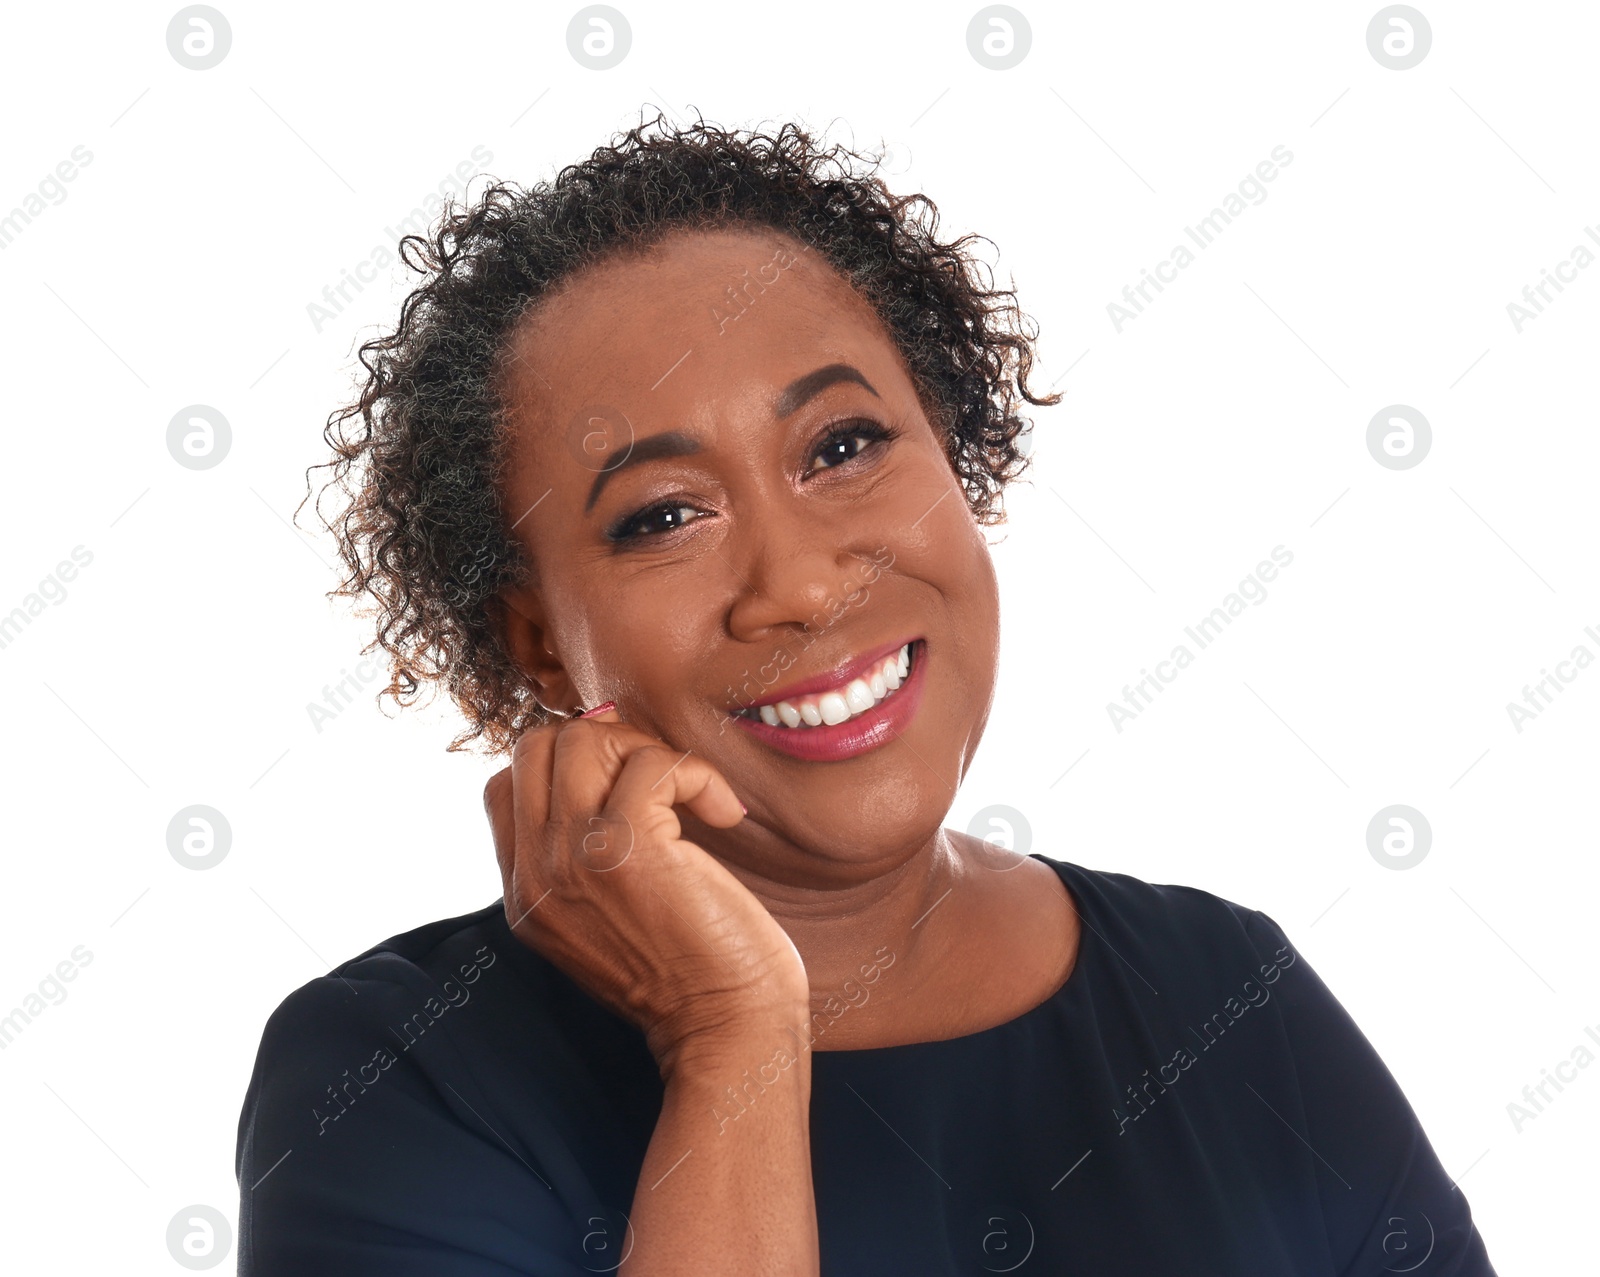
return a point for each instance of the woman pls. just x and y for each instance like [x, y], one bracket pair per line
[702, 437]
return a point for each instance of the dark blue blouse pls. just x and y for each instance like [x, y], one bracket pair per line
[1191, 1101]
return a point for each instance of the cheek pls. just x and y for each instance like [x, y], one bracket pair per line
[656, 636]
[954, 559]
[941, 556]
[946, 548]
[972, 593]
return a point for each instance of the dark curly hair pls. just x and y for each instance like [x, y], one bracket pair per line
[424, 533]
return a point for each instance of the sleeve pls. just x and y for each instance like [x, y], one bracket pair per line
[358, 1160]
[1386, 1201]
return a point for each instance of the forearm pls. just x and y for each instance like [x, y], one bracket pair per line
[726, 1184]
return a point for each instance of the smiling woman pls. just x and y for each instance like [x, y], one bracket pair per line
[744, 523]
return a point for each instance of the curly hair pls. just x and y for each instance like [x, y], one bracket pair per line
[423, 533]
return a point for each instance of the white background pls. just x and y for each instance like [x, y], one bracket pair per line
[1230, 417]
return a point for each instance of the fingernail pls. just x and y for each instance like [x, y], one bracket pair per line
[598, 709]
[744, 809]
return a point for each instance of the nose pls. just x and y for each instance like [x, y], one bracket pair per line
[799, 574]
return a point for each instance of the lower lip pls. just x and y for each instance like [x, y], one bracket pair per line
[879, 725]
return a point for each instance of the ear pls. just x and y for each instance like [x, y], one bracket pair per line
[518, 614]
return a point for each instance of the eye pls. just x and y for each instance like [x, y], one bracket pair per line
[663, 517]
[843, 443]
[848, 441]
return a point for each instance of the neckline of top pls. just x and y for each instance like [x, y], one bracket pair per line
[1086, 952]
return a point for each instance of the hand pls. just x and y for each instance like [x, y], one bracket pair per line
[599, 880]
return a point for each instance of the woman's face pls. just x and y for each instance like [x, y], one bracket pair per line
[702, 475]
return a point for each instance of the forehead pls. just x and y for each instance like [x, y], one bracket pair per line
[701, 322]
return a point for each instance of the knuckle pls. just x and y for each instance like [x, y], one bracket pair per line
[562, 830]
[655, 756]
[607, 841]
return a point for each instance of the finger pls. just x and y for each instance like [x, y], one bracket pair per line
[713, 795]
[532, 759]
[659, 777]
[519, 795]
[589, 755]
[560, 772]
[498, 805]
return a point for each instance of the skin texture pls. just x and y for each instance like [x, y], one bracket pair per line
[846, 856]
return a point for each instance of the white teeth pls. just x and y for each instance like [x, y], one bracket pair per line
[856, 697]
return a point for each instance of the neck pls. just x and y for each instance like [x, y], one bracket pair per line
[851, 922]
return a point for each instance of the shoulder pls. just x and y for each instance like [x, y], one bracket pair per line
[403, 1099]
[404, 1037]
[1176, 908]
[330, 1015]
[433, 949]
[431, 960]
[456, 1002]
[1169, 925]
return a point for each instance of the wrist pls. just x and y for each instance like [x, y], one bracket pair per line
[718, 1053]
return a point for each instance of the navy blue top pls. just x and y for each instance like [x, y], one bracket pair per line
[1192, 1100]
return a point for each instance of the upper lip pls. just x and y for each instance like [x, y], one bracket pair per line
[835, 677]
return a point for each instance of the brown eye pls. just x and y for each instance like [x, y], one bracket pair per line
[847, 443]
[665, 516]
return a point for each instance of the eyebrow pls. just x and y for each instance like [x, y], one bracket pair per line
[814, 383]
[672, 443]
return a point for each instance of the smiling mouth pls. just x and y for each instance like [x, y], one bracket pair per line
[850, 699]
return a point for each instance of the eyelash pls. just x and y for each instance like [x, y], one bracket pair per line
[626, 529]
